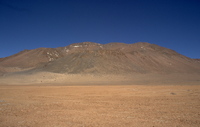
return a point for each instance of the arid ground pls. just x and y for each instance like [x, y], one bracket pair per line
[121, 105]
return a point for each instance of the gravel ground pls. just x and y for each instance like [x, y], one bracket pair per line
[89, 106]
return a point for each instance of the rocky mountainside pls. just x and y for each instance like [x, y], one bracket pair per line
[94, 58]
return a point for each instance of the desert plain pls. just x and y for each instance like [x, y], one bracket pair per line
[100, 105]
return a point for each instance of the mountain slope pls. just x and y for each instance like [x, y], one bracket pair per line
[120, 58]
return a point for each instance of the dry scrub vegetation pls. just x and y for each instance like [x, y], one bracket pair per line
[133, 105]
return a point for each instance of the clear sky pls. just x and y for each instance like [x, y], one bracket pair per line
[30, 24]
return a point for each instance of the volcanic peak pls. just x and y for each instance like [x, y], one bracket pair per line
[111, 58]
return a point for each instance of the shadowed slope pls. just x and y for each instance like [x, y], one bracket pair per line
[120, 58]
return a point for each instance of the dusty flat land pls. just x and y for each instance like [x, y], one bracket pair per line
[133, 105]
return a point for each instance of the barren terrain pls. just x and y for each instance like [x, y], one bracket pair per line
[122, 105]
[91, 84]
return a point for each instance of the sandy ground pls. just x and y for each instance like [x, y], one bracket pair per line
[84, 79]
[89, 106]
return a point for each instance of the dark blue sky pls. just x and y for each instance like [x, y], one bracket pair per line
[30, 24]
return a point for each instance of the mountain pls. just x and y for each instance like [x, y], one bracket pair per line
[93, 63]
[94, 58]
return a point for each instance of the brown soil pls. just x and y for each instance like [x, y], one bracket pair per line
[132, 105]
